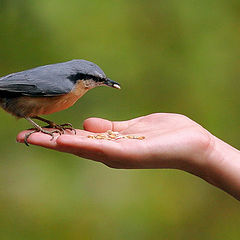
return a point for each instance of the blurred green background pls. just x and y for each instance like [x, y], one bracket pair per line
[169, 56]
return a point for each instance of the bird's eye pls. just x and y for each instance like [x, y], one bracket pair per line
[99, 75]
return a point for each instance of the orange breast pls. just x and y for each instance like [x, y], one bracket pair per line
[34, 106]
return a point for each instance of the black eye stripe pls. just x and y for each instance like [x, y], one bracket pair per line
[80, 76]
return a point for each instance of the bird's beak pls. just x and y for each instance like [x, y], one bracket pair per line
[111, 83]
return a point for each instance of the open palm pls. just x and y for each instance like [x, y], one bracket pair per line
[171, 141]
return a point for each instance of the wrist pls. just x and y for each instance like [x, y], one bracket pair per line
[223, 167]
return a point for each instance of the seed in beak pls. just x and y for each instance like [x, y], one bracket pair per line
[116, 86]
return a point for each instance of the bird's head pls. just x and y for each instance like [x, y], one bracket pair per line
[91, 75]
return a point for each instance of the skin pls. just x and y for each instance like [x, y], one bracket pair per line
[172, 141]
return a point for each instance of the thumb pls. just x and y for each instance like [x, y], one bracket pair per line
[102, 125]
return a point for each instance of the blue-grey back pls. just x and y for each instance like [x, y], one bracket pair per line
[48, 80]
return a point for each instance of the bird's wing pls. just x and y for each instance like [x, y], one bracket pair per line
[42, 81]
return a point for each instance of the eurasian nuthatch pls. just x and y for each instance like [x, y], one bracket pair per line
[48, 89]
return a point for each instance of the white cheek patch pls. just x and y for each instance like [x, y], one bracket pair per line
[90, 83]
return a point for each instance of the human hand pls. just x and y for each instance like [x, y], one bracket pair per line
[171, 141]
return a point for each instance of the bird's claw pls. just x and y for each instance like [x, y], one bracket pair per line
[62, 127]
[43, 131]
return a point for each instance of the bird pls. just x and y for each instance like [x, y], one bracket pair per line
[47, 89]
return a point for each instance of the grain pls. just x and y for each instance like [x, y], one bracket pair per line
[111, 135]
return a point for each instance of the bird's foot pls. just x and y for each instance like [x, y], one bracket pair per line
[34, 130]
[61, 127]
